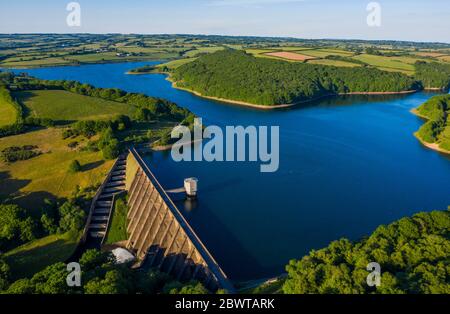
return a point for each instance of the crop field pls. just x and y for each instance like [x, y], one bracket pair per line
[66, 106]
[30, 181]
[289, 56]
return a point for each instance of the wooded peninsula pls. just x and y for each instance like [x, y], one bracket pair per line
[238, 77]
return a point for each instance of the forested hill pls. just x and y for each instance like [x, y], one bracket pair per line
[413, 254]
[433, 75]
[437, 129]
[235, 75]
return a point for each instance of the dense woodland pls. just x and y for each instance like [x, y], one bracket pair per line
[433, 75]
[413, 254]
[437, 128]
[235, 75]
[101, 275]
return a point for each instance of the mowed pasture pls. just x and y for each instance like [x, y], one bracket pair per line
[61, 105]
[292, 56]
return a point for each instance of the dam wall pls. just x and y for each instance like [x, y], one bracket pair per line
[160, 236]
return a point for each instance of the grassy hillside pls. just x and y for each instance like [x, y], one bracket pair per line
[8, 113]
[66, 106]
[28, 182]
[34, 256]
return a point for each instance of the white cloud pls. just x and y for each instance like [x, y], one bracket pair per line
[249, 3]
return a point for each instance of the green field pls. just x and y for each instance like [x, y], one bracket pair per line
[393, 63]
[29, 182]
[66, 106]
[33, 63]
[176, 63]
[117, 230]
[196, 52]
[34, 256]
[8, 113]
[322, 53]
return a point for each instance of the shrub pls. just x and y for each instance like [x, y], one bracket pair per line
[16, 153]
[74, 166]
[73, 144]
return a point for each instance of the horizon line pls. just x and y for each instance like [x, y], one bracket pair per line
[235, 36]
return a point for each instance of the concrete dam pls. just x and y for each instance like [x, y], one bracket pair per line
[159, 234]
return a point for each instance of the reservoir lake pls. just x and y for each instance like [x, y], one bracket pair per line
[347, 165]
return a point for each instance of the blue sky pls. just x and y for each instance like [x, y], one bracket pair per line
[418, 20]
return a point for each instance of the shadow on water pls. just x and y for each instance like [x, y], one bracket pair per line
[224, 246]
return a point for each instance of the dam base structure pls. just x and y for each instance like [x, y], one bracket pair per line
[159, 234]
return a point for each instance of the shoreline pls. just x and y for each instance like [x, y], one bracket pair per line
[162, 148]
[432, 146]
[281, 106]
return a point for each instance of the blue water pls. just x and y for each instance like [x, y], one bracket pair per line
[347, 165]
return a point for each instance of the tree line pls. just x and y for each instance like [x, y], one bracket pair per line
[100, 275]
[433, 75]
[437, 128]
[413, 254]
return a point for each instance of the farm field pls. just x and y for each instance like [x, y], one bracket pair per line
[387, 62]
[34, 63]
[289, 56]
[336, 63]
[66, 106]
[430, 54]
[322, 53]
[444, 58]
